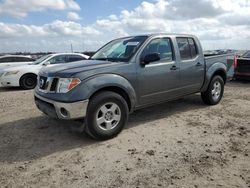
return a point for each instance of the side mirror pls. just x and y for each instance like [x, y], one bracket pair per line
[150, 58]
[46, 63]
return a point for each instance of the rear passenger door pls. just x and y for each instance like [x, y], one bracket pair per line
[192, 65]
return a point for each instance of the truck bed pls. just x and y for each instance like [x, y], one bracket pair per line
[226, 59]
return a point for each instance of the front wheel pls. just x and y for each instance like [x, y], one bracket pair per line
[28, 81]
[214, 93]
[106, 116]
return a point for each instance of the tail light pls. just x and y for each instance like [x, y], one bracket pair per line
[235, 61]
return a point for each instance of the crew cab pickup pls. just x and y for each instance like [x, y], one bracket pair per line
[128, 74]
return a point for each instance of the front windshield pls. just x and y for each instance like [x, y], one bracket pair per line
[120, 49]
[41, 59]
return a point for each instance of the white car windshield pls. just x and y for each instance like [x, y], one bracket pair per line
[41, 59]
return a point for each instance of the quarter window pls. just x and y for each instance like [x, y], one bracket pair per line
[193, 48]
[162, 46]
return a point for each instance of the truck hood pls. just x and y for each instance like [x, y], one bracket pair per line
[68, 69]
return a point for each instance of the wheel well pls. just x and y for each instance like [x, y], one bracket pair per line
[33, 74]
[117, 90]
[222, 74]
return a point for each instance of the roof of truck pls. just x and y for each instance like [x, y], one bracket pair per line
[172, 34]
[157, 34]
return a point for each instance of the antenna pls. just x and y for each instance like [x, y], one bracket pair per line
[71, 46]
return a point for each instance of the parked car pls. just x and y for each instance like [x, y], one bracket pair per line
[13, 60]
[26, 75]
[242, 66]
[128, 74]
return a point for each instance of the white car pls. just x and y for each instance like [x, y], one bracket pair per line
[25, 76]
[14, 60]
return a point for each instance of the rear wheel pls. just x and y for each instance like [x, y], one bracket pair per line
[214, 93]
[28, 81]
[106, 116]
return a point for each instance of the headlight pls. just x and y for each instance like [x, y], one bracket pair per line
[66, 84]
[11, 73]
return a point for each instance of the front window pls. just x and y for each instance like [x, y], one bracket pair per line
[162, 46]
[120, 49]
[40, 60]
[58, 59]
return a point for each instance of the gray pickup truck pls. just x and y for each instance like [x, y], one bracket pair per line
[128, 74]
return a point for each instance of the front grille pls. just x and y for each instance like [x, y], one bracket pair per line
[47, 84]
[42, 82]
[54, 84]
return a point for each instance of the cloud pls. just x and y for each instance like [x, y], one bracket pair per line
[21, 8]
[73, 16]
[55, 29]
[217, 23]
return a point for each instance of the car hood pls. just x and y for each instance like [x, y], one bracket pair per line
[9, 65]
[20, 67]
[68, 69]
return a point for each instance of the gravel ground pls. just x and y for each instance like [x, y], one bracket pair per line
[177, 144]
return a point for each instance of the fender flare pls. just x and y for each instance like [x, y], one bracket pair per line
[216, 69]
[91, 85]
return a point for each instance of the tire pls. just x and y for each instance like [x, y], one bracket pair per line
[214, 93]
[106, 116]
[28, 81]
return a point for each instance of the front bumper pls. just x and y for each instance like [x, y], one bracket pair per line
[9, 81]
[60, 110]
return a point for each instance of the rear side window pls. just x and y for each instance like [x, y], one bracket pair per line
[162, 46]
[5, 60]
[8, 60]
[187, 48]
[14, 59]
[23, 59]
[193, 48]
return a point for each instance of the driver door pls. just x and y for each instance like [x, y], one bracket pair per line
[158, 81]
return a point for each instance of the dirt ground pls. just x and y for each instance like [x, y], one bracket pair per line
[177, 144]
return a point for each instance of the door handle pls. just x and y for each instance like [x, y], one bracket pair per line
[198, 64]
[174, 68]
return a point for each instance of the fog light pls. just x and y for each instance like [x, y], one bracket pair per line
[64, 112]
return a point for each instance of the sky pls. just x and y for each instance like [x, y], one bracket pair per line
[53, 25]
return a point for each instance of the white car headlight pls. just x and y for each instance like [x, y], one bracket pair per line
[10, 73]
[66, 84]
